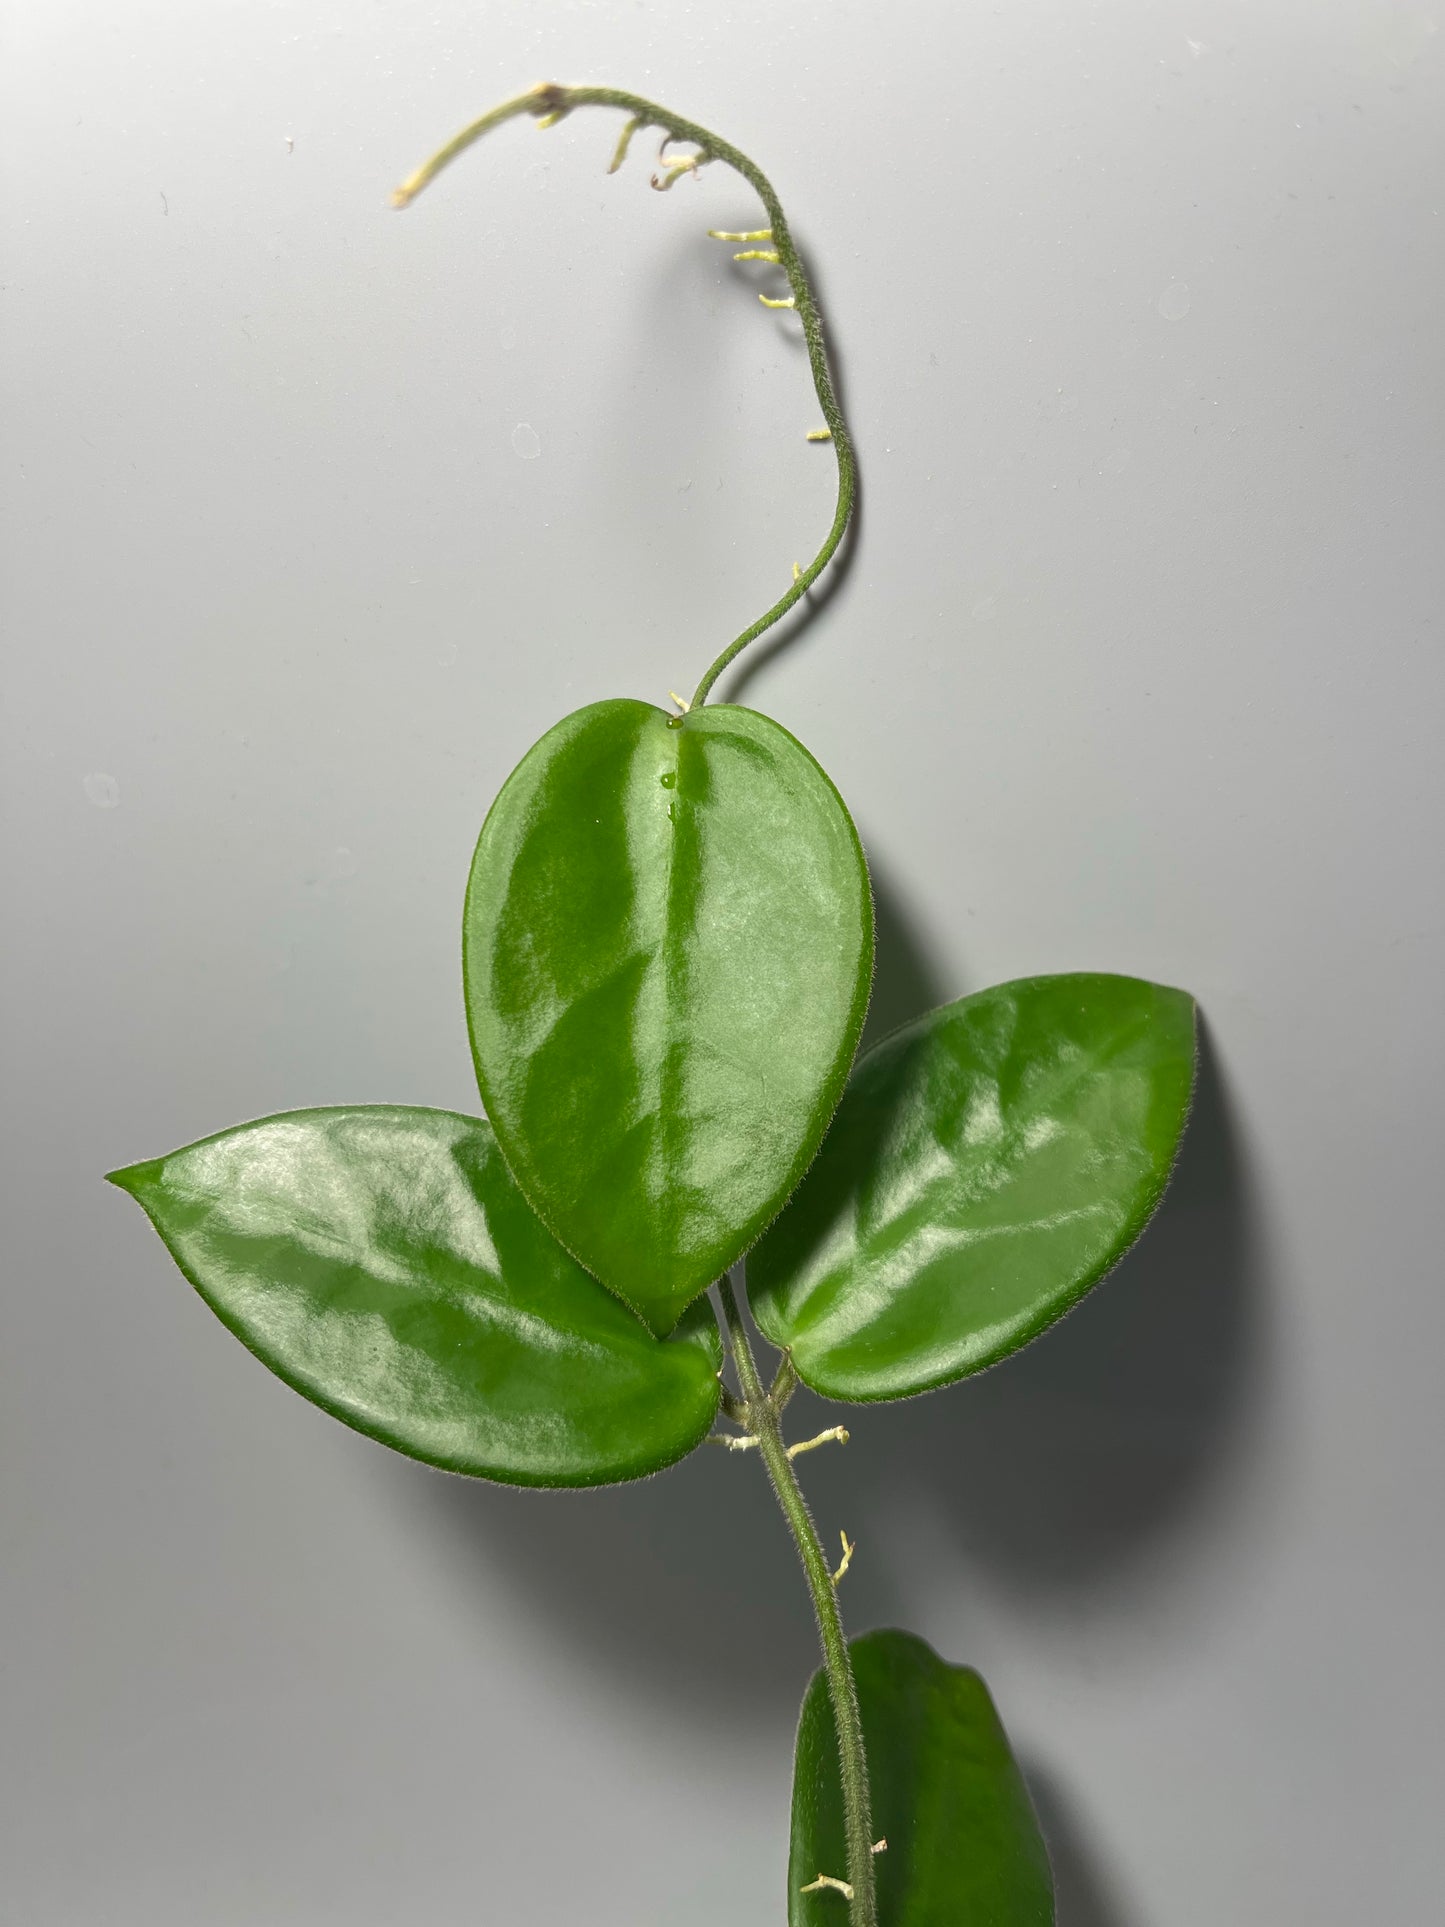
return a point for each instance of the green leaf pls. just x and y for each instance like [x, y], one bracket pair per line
[382, 1262]
[668, 947]
[988, 1164]
[964, 1847]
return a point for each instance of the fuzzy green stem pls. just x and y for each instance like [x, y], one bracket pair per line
[763, 1421]
[549, 102]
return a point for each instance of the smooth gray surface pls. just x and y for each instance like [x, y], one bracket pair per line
[1136, 666]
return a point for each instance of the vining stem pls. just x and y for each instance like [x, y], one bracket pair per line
[549, 103]
[763, 1421]
[761, 1409]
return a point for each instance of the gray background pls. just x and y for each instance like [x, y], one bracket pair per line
[1135, 665]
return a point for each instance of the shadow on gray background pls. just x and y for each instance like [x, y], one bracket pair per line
[1083, 1895]
[1051, 1472]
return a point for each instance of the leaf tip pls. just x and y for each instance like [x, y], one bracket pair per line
[135, 1179]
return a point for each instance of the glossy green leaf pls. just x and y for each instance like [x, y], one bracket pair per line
[382, 1262]
[668, 949]
[988, 1164]
[964, 1847]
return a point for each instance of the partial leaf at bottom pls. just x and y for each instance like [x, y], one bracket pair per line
[963, 1843]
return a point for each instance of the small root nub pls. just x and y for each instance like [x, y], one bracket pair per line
[673, 171]
[825, 1880]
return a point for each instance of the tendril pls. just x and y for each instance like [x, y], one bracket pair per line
[548, 103]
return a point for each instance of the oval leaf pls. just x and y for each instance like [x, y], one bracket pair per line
[963, 1842]
[382, 1262]
[988, 1164]
[668, 946]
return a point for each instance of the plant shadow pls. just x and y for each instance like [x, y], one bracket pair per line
[1115, 1430]
[1048, 1474]
[1084, 1896]
[647, 1577]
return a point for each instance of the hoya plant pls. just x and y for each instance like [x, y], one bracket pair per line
[667, 950]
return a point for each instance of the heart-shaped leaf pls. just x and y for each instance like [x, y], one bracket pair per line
[668, 947]
[988, 1164]
[963, 1843]
[382, 1262]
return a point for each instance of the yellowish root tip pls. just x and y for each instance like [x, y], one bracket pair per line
[820, 435]
[683, 704]
[768, 302]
